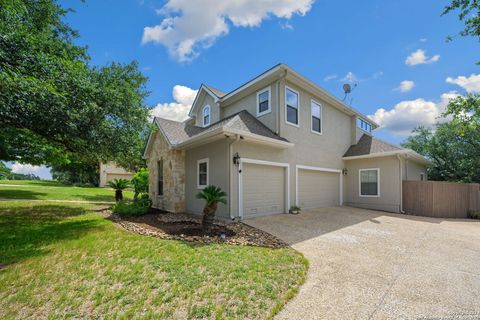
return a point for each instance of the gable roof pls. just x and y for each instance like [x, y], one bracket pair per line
[278, 71]
[242, 122]
[219, 93]
[370, 145]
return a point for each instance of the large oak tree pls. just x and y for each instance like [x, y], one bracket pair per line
[55, 106]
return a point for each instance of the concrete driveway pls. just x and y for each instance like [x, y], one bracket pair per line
[372, 265]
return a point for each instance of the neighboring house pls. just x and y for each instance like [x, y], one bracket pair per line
[276, 141]
[109, 171]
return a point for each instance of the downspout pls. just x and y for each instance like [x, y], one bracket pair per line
[230, 156]
[401, 182]
[278, 102]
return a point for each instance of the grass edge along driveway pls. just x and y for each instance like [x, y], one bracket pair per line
[65, 261]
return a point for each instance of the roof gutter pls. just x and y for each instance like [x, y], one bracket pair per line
[410, 153]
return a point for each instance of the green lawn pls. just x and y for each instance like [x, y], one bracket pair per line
[63, 260]
[51, 190]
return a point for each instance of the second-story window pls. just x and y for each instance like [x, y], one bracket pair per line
[291, 104]
[316, 117]
[364, 125]
[263, 102]
[206, 116]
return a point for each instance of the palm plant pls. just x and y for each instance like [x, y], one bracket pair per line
[212, 196]
[118, 185]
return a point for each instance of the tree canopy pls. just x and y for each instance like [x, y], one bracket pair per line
[55, 107]
[469, 14]
[453, 146]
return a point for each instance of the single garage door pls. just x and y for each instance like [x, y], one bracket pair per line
[317, 189]
[263, 190]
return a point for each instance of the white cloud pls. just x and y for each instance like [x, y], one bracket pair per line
[178, 110]
[189, 26]
[407, 115]
[350, 77]
[419, 57]
[470, 84]
[406, 85]
[330, 77]
[42, 171]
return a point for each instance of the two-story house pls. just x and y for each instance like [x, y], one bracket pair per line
[276, 141]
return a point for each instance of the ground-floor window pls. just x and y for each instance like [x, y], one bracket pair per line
[369, 182]
[160, 177]
[202, 173]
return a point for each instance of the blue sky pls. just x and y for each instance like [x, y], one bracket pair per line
[182, 43]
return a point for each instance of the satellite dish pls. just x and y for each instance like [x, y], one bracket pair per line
[347, 88]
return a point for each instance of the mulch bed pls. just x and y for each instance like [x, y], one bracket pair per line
[186, 227]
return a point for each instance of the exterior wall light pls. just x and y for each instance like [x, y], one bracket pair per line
[344, 171]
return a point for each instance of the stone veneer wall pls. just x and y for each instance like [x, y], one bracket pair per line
[173, 199]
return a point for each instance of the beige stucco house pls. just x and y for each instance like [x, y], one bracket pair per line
[276, 141]
[110, 170]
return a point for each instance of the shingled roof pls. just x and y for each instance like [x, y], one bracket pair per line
[219, 93]
[370, 145]
[179, 132]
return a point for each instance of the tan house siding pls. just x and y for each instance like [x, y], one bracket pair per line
[389, 199]
[413, 170]
[249, 103]
[173, 199]
[214, 110]
[217, 154]
[325, 150]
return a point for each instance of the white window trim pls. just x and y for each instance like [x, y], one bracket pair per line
[321, 117]
[269, 102]
[360, 183]
[371, 127]
[298, 108]
[209, 115]
[206, 160]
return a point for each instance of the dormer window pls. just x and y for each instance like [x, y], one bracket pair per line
[206, 116]
[364, 125]
[263, 102]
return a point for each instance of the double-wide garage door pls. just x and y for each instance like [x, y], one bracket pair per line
[317, 189]
[263, 190]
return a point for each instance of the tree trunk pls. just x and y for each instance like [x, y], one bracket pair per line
[118, 195]
[208, 216]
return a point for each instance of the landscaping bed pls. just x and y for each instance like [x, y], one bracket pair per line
[186, 227]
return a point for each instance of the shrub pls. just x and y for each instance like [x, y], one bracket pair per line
[473, 214]
[125, 208]
[140, 182]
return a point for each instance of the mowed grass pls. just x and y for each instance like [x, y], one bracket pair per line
[62, 260]
[52, 190]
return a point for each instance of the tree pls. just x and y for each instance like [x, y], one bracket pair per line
[119, 185]
[212, 196]
[53, 103]
[454, 146]
[469, 13]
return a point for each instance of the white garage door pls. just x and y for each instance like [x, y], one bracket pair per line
[263, 190]
[318, 189]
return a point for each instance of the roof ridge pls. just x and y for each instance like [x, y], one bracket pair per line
[389, 143]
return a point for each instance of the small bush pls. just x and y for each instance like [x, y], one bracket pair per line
[125, 209]
[474, 214]
[144, 200]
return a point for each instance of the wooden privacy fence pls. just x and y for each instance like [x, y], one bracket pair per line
[440, 199]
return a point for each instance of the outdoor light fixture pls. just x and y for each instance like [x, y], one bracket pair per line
[344, 171]
[236, 159]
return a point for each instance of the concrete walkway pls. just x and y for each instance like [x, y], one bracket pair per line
[372, 265]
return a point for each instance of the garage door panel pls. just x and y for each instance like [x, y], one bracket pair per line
[263, 190]
[317, 189]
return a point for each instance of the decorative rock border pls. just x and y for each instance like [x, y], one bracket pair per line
[245, 235]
